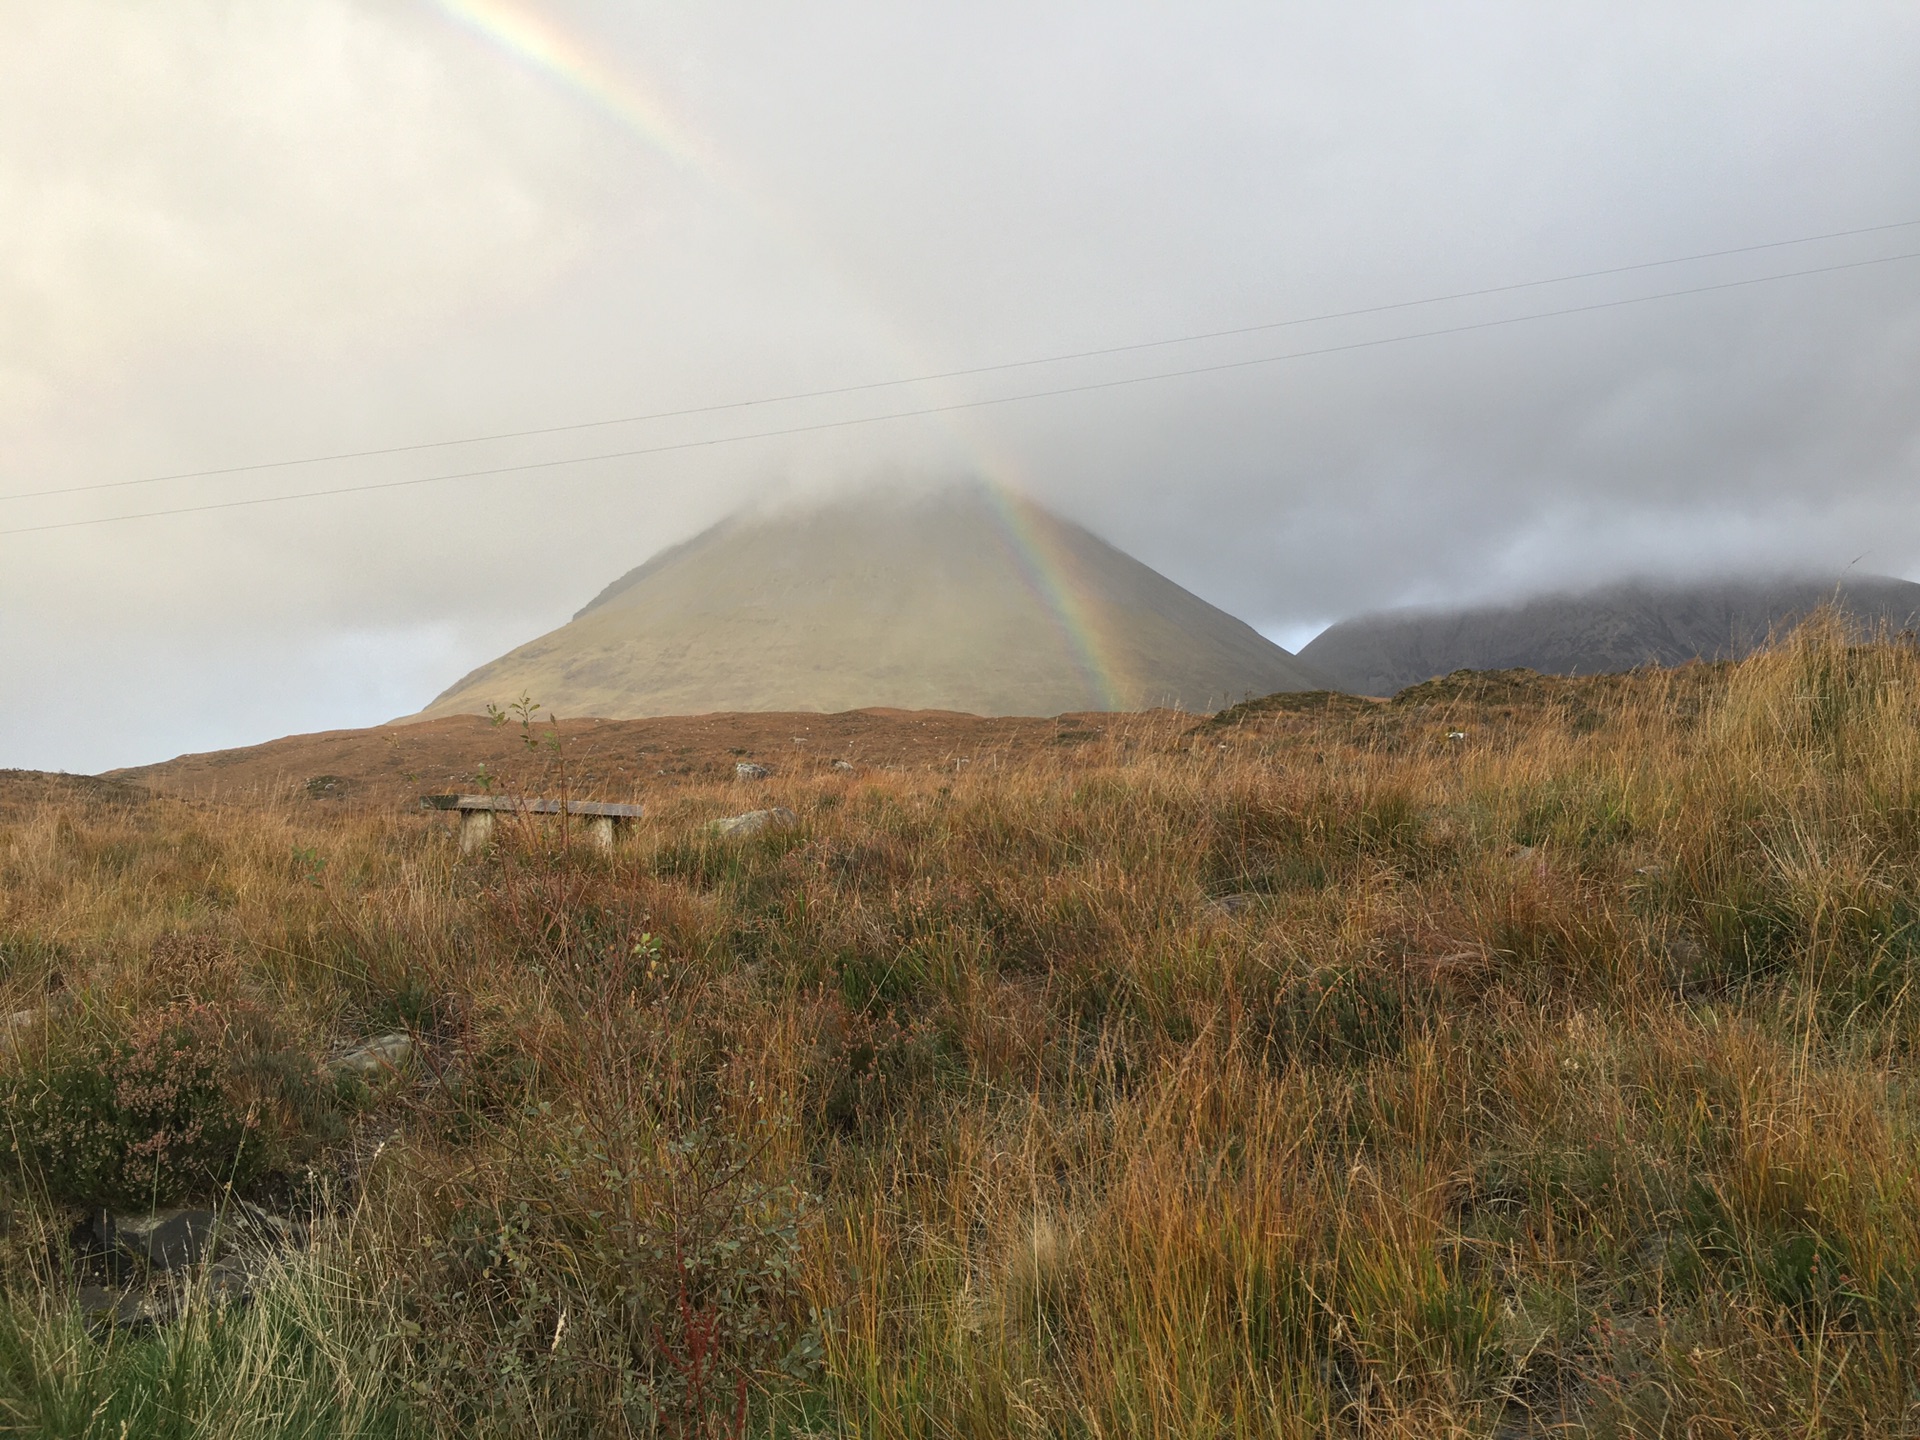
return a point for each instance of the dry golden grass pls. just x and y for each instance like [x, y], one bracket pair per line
[1306, 1072]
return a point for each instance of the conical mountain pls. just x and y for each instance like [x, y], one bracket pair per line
[1598, 632]
[963, 599]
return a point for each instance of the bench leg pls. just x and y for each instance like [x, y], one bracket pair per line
[600, 830]
[476, 829]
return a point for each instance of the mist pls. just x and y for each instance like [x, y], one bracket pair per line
[231, 236]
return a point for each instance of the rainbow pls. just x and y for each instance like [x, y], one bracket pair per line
[1047, 569]
[535, 41]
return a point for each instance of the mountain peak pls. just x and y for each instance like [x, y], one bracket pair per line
[965, 598]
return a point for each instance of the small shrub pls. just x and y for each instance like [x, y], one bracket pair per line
[623, 1275]
[872, 1062]
[152, 1117]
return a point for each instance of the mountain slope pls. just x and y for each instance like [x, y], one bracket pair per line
[964, 600]
[1593, 633]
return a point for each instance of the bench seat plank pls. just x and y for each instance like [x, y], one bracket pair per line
[506, 804]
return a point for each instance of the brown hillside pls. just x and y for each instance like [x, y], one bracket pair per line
[620, 759]
[966, 599]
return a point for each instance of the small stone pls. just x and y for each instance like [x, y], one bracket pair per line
[747, 770]
[97, 1302]
[13, 1027]
[99, 1305]
[233, 1277]
[261, 1230]
[148, 1308]
[384, 1055]
[164, 1239]
[751, 823]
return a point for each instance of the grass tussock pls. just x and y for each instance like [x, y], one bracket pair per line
[1518, 1057]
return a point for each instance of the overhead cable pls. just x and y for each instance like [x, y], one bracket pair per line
[1087, 387]
[997, 367]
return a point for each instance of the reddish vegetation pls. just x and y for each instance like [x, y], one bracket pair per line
[1516, 1057]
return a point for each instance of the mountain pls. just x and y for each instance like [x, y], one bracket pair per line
[1594, 633]
[963, 599]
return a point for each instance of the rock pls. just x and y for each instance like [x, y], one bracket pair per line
[13, 1028]
[162, 1239]
[97, 1302]
[384, 1055]
[266, 1231]
[751, 823]
[234, 1277]
[1233, 904]
[100, 1305]
[176, 1257]
[747, 770]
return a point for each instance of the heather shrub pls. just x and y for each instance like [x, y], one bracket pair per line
[615, 1278]
[870, 1063]
[622, 1251]
[167, 1110]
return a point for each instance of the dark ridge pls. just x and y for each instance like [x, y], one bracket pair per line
[1599, 632]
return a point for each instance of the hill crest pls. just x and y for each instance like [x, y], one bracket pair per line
[1594, 632]
[967, 599]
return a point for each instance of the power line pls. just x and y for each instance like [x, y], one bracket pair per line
[1081, 389]
[961, 374]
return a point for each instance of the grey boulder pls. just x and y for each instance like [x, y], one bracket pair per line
[383, 1055]
[161, 1239]
[751, 823]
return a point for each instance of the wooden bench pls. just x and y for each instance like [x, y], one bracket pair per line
[477, 812]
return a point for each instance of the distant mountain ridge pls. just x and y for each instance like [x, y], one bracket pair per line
[1594, 633]
[960, 599]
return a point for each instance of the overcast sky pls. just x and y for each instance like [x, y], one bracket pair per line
[236, 233]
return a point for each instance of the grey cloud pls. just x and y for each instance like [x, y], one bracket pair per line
[235, 233]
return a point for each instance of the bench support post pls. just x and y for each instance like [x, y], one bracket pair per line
[600, 830]
[476, 829]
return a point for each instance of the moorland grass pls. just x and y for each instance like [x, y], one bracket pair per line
[1522, 1056]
